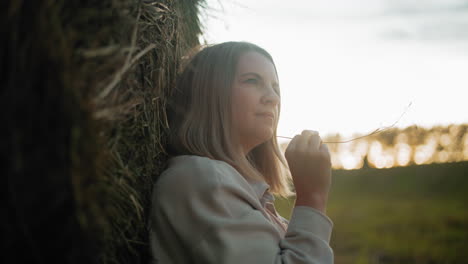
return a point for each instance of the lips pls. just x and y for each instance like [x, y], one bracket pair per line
[267, 114]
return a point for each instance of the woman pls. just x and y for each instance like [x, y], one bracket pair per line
[214, 203]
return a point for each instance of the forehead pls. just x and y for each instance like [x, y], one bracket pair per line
[254, 62]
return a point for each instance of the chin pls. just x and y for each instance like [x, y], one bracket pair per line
[258, 136]
[265, 135]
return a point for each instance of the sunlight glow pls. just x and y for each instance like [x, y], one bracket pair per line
[370, 59]
[445, 140]
[403, 151]
[389, 160]
[442, 156]
[375, 155]
[379, 162]
[350, 160]
[465, 147]
[408, 147]
[402, 138]
[422, 155]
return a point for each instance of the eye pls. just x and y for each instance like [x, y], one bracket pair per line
[251, 81]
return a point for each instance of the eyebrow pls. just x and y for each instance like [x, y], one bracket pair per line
[258, 76]
[251, 73]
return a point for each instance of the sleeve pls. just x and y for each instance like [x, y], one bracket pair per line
[215, 220]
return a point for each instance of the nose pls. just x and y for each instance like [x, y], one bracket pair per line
[271, 97]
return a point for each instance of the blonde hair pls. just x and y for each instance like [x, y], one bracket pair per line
[199, 114]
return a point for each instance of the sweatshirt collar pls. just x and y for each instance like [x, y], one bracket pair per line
[261, 188]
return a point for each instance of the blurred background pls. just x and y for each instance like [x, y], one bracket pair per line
[348, 68]
[84, 86]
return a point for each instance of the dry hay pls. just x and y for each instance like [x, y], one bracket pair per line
[83, 96]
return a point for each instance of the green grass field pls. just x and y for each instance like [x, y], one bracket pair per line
[416, 214]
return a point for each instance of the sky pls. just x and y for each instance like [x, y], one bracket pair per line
[354, 66]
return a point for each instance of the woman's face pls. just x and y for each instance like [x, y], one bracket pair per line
[255, 100]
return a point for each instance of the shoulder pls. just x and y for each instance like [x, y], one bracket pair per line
[198, 182]
[197, 170]
[188, 174]
[195, 163]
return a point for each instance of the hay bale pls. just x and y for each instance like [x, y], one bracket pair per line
[83, 96]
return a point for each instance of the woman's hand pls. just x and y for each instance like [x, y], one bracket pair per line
[310, 166]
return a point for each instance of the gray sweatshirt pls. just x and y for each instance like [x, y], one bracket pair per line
[204, 211]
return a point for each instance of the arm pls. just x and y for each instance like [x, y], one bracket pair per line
[250, 238]
[216, 220]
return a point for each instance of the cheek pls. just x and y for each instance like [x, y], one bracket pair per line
[249, 97]
[237, 108]
[242, 103]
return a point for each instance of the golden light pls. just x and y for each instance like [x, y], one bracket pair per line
[420, 155]
[402, 138]
[350, 160]
[379, 162]
[439, 146]
[443, 156]
[336, 161]
[424, 153]
[403, 152]
[465, 147]
[445, 140]
[375, 153]
[389, 160]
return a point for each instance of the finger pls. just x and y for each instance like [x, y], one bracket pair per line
[309, 132]
[314, 141]
[304, 141]
[293, 143]
[324, 148]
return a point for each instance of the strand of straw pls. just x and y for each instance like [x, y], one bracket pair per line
[378, 130]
